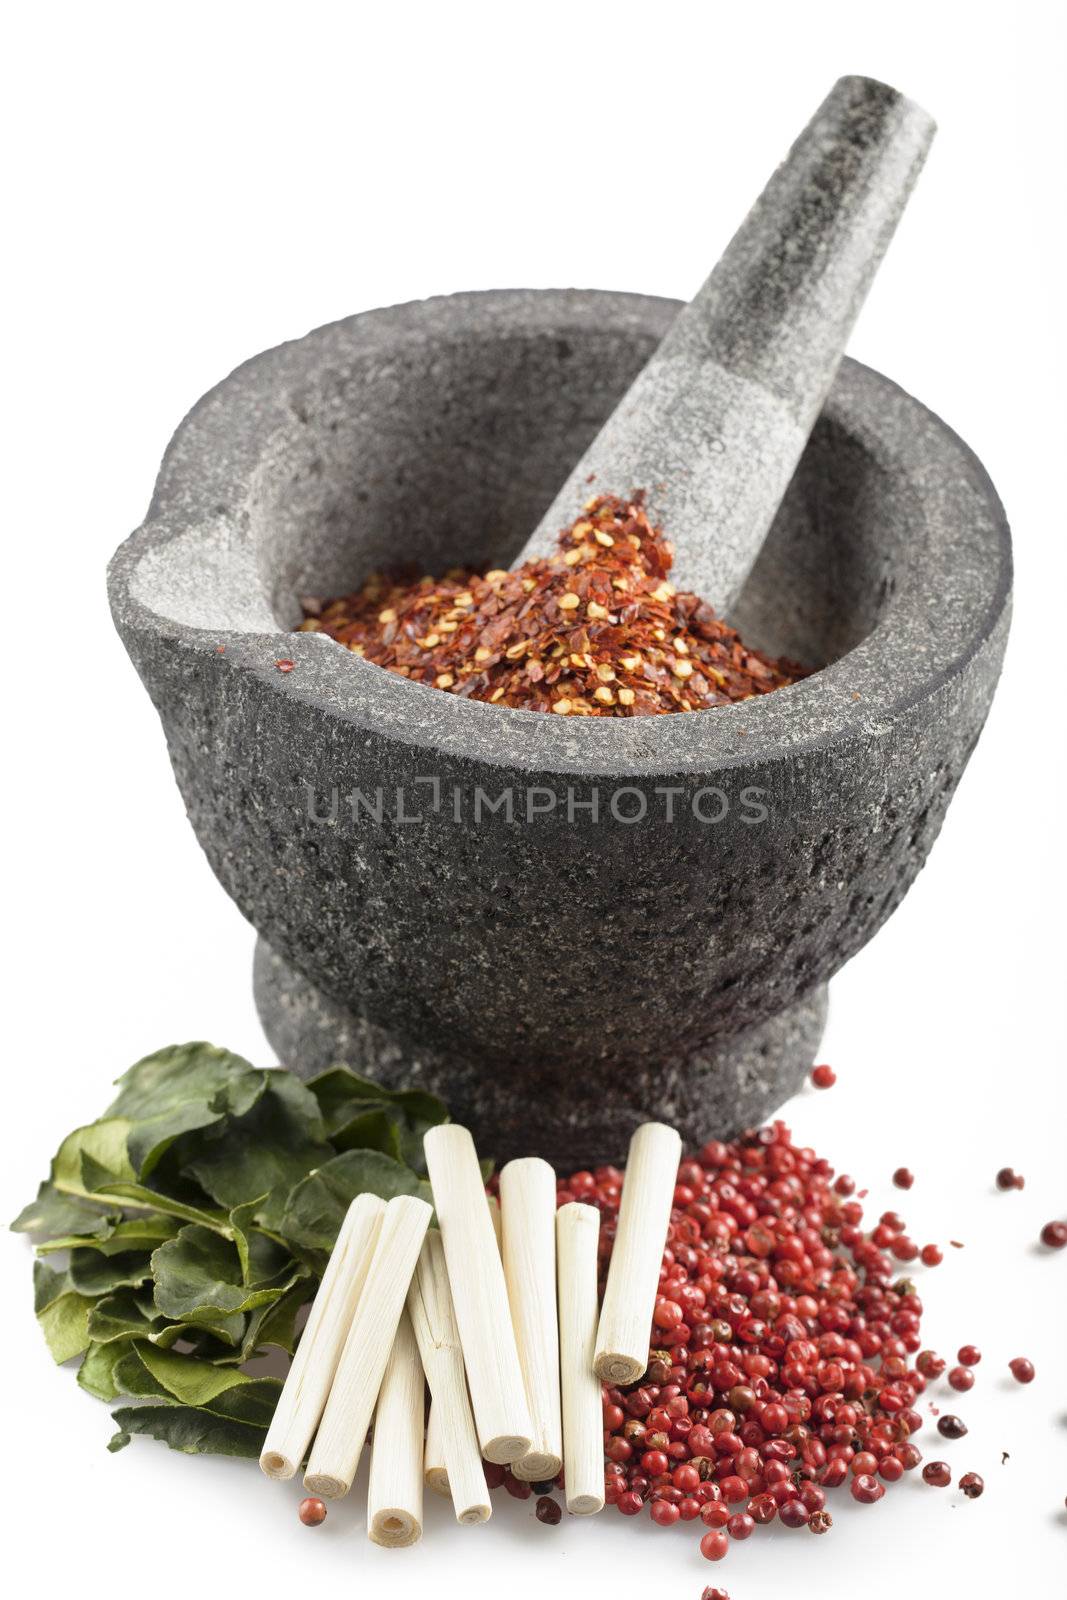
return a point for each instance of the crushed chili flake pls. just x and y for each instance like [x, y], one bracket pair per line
[595, 630]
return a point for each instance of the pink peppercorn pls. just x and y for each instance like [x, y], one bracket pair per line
[663, 1513]
[823, 1077]
[1022, 1370]
[714, 1545]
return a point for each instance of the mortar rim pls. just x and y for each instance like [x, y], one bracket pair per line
[952, 487]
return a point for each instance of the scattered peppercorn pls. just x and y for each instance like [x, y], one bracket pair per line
[823, 1077]
[1008, 1178]
[903, 1178]
[972, 1485]
[931, 1256]
[543, 1488]
[516, 1487]
[1022, 1370]
[1054, 1235]
[285, 666]
[714, 1594]
[937, 1474]
[547, 1510]
[820, 1522]
[714, 1545]
[594, 630]
[968, 1355]
[961, 1379]
[311, 1511]
[951, 1427]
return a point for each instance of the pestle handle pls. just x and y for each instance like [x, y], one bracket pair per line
[715, 423]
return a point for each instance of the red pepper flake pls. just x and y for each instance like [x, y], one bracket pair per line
[285, 666]
[595, 630]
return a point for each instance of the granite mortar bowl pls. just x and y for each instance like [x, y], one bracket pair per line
[565, 926]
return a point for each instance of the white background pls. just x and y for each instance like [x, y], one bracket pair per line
[191, 183]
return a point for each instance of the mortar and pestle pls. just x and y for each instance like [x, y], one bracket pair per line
[570, 926]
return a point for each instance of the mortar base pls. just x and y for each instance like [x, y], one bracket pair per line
[581, 1117]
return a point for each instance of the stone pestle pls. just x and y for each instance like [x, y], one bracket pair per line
[715, 423]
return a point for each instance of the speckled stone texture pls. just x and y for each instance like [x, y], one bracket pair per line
[727, 1087]
[715, 423]
[740, 856]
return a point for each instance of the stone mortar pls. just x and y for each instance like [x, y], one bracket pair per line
[557, 975]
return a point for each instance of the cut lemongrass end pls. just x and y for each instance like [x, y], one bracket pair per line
[528, 1217]
[577, 1242]
[394, 1494]
[633, 1276]
[480, 1296]
[354, 1393]
[307, 1386]
[452, 1439]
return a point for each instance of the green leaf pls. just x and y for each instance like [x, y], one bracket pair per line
[275, 1325]
[94, 1274]
[338, 1089]
[191, 1431]
[97, 1373]
[349, 1102]
[103, 1146]
[62, 1313]
[135, 1194]
[266, 1151]
[118, 1441]
[241, 1229]
[139, 1233]
[317, 1206]
[127, 1314]
[379, 1129]
[133, 1377]
[55, 1213]
[223, 1392]
[131, 1314]
[177, 1090]
[198, 1275]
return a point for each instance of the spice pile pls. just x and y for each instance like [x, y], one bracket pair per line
[785, 1360]
[596, 630]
